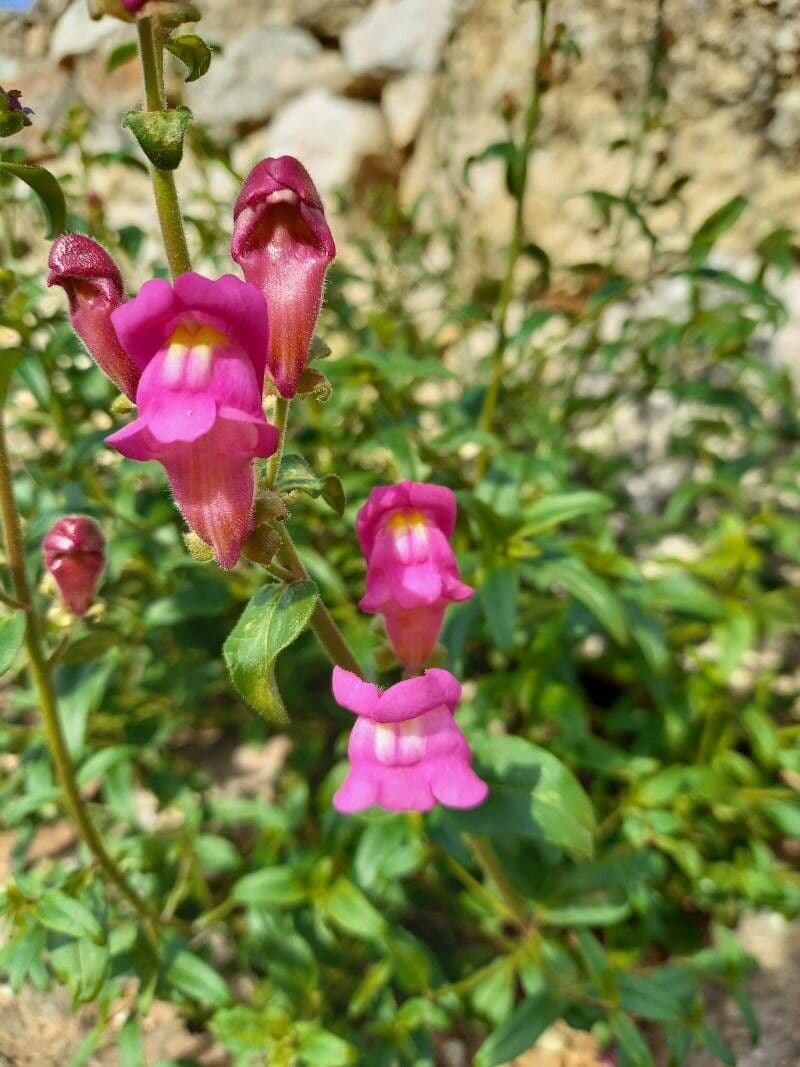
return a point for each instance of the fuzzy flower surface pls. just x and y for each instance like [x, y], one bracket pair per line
[201, 348]
[284, 245]
[406, 750]
[93, 284]
[412, 574]
[75, 553]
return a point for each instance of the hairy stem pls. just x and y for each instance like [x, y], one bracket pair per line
[322, 622]
[166, 194]
[281, 420]
[39, 670]
[525, 148]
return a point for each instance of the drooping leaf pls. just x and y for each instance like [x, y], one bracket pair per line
[12, 634]
[590, 589]
[274, 618]
[48, 190]
[121, 55]
[193, 52]
[713, 227]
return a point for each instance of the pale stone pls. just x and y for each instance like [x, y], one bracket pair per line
[399, 37]
[257, 72]
[784, 130]
[404, 103]
[330, 135]
[77, 35]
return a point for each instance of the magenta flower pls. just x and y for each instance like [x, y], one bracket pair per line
[412, 574]
[93, 284]
[133, 5]
[406, 751]
[75, 554]
[201, 346]
[283, 244]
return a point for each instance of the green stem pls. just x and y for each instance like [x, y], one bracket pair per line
[322, 622]
[281, 419]
[166, 194]
[524, 149]
[40, 675]
[490, 865]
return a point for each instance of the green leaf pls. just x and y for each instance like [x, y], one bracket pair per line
[297, 477]
[160, 134]
[193, 52]
[12, 634]
[599, 914]
[591, 590]
[631, 1041]
[10, 358]
[46, 188]
[320, 1048]
[718, 222]
[350, 909]
[269, 888]
[80, 690]
[193, 977]
[131, 1047]
[552, 510]
[62, 913]
[531, 794]
[121, 55]
[83, 967]
[520, 1032]
[274, 618]
[499, 595]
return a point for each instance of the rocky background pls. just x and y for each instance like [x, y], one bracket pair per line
[410, 89]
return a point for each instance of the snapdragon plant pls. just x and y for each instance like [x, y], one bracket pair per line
[434, 878]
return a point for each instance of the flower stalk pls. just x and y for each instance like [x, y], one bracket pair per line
[151, 54]
[39, 669]
[525, 148]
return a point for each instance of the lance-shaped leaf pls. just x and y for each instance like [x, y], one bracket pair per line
[160, 134]
[274, 618]
[46, 188]
[193, 52]
[12, 632]
[297, 477]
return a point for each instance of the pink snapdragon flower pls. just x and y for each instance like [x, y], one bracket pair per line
[93, 284]
[201, 347]
[412, 574]
[75, 554]
[133, 5]
[406, 751]
[284, 246]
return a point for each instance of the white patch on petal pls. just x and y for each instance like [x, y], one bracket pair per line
[384, 743]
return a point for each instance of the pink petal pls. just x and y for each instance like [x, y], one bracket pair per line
[351, 692]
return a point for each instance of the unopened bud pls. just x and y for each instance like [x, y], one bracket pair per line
[74, 553]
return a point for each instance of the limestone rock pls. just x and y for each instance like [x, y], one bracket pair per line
[784, 130]
[76, 34]
[257, 72]
[404, 103]
[399, 37]
[330, 135]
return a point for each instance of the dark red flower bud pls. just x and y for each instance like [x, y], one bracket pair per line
[93, 284]
[283, 244]
[74, 553]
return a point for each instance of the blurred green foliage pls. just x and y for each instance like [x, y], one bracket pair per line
[630, 661]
